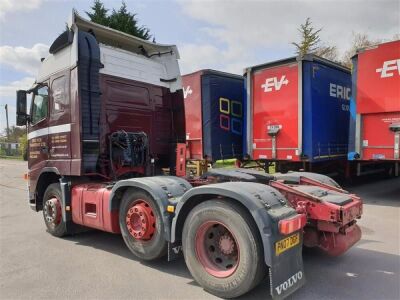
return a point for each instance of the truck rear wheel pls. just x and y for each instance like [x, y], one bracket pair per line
[52, 210]
[222, 248]
[141, 225]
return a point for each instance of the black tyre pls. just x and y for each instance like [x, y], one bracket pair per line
[52, 210]
[222, 248]
[141, 225]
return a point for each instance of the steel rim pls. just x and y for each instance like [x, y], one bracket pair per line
[217, 249]
[52, 211]
[140, 220]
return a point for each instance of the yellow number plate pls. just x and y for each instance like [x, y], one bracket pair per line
[287, 243]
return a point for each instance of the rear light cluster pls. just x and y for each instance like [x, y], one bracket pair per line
[288, 226]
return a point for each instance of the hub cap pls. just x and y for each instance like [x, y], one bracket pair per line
[140, 220]
[217, 249]
[52, 211]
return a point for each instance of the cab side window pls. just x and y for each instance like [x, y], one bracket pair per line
[59, 91]
[40, 104]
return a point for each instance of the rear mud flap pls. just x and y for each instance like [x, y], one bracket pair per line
[174, 250]
[286, 272]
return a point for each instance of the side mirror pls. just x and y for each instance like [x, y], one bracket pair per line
[22, 116]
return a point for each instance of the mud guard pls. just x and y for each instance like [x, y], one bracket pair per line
[286, 273]
[251, 175]
[267, 207]
[66, 202]
[294, 177]
[166, 190]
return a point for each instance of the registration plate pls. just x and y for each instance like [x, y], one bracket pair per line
[287, 243]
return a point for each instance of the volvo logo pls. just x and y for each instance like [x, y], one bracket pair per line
[289, 283]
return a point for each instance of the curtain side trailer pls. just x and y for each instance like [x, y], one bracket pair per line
[374, 141]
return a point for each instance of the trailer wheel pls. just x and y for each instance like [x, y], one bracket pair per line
[52, 210]
[141, 225]
[222, 248]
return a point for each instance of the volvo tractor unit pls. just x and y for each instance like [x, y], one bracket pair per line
[106, 134]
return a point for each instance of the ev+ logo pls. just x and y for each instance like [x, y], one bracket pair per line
[273, 83]
[187, 91]
[389, 67]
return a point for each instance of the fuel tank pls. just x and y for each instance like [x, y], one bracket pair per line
[90, 207]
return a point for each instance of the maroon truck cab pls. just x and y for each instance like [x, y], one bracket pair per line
[99, 96]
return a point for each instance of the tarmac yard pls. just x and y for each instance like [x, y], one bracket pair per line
[97, 265]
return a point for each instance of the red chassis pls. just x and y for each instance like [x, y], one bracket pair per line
[330, 226]
[331, 212]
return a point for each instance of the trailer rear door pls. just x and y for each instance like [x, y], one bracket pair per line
[378, 101]
[276, 107]
[193, 115]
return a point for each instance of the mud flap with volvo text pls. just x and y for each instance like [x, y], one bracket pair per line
[286, 271]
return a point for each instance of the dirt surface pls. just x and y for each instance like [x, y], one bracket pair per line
[97, 265]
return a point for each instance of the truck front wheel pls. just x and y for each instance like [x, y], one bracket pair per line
[222, 248]
[141, 225]
[52, 210]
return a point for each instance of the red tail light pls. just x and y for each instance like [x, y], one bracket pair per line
[288, 226]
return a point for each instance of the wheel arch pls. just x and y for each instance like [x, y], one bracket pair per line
[255, 198]
[47, 176]
[163, 189]
[294, 177]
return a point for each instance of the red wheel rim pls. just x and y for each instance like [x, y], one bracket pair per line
[217, 249]
[52, 211]
[140, 220]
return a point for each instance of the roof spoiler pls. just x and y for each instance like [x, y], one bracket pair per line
[119, 39]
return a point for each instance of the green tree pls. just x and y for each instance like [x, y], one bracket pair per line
[99, 13]
[311, 42]
[15, 133]
[125, 21]
[23, 141]
[121, 20]
[309, 38]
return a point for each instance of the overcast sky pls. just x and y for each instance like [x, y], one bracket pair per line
[227, 35]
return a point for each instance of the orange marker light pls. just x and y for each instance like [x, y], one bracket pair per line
[288, 226]
[26, 176]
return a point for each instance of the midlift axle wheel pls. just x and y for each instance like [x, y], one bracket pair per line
[141, 225]
[222, 248]
[52, 210]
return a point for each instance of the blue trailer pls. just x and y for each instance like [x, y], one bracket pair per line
[297, 112]
[214, 115]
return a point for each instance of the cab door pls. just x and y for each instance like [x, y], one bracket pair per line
[60, 123]
[38, 149]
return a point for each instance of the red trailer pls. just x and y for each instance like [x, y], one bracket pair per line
[194, 130]
[298, 113]
[375, 108]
